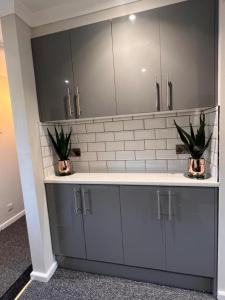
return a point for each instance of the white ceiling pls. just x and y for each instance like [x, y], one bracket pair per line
[40, 12]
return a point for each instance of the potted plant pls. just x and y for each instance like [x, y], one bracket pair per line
[196, 145]
[62, 147]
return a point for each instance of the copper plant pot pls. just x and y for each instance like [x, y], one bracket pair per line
[196, 168]
[64, 167]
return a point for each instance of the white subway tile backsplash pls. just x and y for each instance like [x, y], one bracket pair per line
[81, 167]
[166, 154]
[86, 138]
[135, 165]
[79, 128]
[82, 146]
[181, 121]
[134, 145]
[114, 146]
[145, 154]
[116, 166]
[96, 146]
[133, 124]
[144, 142]
[97, 166]
[144, 134]
[113, 126]
[155, 123]
[96, 127]
[170, 133]
[156, 165]
[104, 137]
[87, 156]
[106, 155]
[155, 144]
[125, 155]
[124, 136]
[177, 165]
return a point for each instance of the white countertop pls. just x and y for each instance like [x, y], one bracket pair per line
[163, 179]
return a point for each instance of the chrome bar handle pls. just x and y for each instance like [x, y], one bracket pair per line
[170, 205]
[78, 102]
[85, 208]
[157, 94]
[77, 209]
[69, 102]
[169, 93]
[159, 206]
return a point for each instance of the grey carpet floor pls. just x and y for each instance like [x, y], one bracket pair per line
[66, 285]
[14, 254]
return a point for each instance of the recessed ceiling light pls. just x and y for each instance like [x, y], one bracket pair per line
[143, 70]
[132, 17]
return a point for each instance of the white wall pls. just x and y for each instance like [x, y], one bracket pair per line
[10, 187]
[16, 36]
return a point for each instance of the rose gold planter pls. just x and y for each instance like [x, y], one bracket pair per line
[65, 167]
[196, 168]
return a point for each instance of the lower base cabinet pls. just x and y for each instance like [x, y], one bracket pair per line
[164, 235]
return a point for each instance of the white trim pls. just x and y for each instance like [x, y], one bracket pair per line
[221, 295]
[23, 290]
[12, 220]
[44, 277]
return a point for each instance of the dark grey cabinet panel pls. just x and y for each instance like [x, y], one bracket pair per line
[53, 68]
[93, 68]
[143, 227]
[190, 231]
[102, 223]
[136, 48]
[188, 38]
[66, 220]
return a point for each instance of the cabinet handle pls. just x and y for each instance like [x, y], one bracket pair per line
[169, 94]
[78, 102]
[85, 208]
[77, 209]
[159, 206]
[157, 95]
[170, 205]
[69, 102]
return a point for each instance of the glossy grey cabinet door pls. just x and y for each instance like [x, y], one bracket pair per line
[93, 68]
[66, 220]
[143, 227]
[187, 33]
[190, 231]
[136, 48]
[102, 223]
[53, 68]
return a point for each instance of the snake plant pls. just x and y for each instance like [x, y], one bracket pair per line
[61, 143]
[195, 144]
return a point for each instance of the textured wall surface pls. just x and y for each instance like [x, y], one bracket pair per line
[133, 143]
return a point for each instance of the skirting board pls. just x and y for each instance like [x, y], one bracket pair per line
[221, 295]
[44, 277]
[12, 220]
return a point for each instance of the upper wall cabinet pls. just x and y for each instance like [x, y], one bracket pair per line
[93, 70]
[136, 47]
[161, 59]
[54, 76]
[188, 54]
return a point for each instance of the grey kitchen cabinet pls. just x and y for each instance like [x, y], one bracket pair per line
[93, 70]
[188, 45]
[143, 227]
[66, 220]
[54, 76]
[102, 223]
[191, 231]
[136, 49]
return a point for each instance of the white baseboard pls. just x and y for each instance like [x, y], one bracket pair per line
[12, 220]
[44, 277]
[221, 295]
